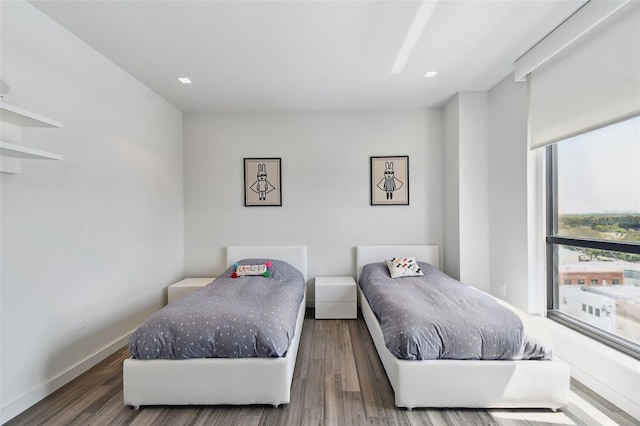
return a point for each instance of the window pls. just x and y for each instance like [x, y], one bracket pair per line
[593, 231]
[567, 282]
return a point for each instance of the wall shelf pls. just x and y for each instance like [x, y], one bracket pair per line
[19, 117]
[12, 153]
[24, 152]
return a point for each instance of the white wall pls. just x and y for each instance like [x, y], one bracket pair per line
[451, 187]
[466, 187]
[474, 189]
[89, 243]
[325, 187]
[508, 151]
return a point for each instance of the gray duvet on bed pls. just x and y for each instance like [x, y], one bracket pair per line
[251, 316]
[437, 317]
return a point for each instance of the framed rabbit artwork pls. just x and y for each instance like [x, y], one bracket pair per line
[262, 182]
[390, 181]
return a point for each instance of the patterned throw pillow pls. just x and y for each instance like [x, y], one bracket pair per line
[403, 267]
[244, 270]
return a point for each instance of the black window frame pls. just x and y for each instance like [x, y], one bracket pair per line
[554, 240]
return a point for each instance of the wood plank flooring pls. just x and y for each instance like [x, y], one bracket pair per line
[338, 380]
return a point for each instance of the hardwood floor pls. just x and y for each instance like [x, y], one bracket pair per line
[338, 380]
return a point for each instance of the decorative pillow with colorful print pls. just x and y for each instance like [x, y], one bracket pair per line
[403, 267]
[243, 270]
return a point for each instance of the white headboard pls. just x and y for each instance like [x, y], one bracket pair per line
[370, 254]
[295, 255]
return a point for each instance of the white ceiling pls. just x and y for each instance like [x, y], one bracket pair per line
[310, 55]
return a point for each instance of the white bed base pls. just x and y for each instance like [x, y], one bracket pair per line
[465, 384]
[218, 381]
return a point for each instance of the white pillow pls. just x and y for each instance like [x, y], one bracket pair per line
[403, 267]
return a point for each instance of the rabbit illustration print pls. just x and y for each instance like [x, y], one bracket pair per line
[390, 180]
[262, 182]
[262, 186]
[389, 183]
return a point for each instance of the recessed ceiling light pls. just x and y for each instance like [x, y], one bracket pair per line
[184, 80]
[430, 74]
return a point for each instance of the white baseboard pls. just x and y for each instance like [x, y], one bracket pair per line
[43, 390]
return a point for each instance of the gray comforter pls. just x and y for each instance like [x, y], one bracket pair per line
[438, 317]
[252, 316]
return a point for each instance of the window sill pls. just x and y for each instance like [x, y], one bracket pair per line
[626, 347]
[609, 372]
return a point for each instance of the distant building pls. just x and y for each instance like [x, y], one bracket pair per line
[586, 273]
[592, 278]
[593, 308]
[602, 292]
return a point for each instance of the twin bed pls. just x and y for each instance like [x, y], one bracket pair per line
[464, 383]
[266, 378]
[221, 381]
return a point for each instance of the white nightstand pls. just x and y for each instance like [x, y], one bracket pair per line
[187, 286]
[336, 298]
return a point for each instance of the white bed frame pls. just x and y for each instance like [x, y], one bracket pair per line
[461, 383]
[218, 381]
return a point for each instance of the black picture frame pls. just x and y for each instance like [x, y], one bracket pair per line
[263, 182]
[390, 180]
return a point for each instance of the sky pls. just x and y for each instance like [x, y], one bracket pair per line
[599, 171]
